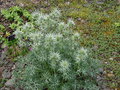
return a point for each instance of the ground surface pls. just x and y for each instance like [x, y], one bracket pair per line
[97, 31]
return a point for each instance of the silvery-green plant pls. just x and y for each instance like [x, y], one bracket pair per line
[57, 61]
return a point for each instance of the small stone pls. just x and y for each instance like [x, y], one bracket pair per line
[79, 19]
[5, 88]
[111, 72]
[99, 78]
[6, 74]
[13, 67]
[21, 4]
[10, 83]
[104, 72]
[82, 21]
[67, 3]
[110, 58]
[106, 62]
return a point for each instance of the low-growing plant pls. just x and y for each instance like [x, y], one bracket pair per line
[56, 61]
[2, 28]
[17, 15]
[14, 17]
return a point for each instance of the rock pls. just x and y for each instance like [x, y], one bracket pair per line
[83, 21]
[99, 78]
[104, 72]
[106, 62]
[5, 88]
[6, 74]
[9, 83]
[79, 19]
[13, 67]
[21, 4]
[67, 3]
[111, 59]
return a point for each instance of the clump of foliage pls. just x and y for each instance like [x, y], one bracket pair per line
[56, 61]
[14, 17]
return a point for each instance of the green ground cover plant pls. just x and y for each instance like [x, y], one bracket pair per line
[56, 61]
[11, 19]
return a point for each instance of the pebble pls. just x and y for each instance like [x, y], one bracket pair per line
[67, 3]
[110, 58]
[13, 67]
[104, 72]
[6, 74]
[106, 62]
[9, 83]
[79, 19]
[5, 88]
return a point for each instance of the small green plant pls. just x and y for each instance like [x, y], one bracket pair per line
[17, 15]
[14, 17]
[2, 28]
[56, 61]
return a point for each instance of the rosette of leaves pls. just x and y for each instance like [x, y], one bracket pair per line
[57, 61]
